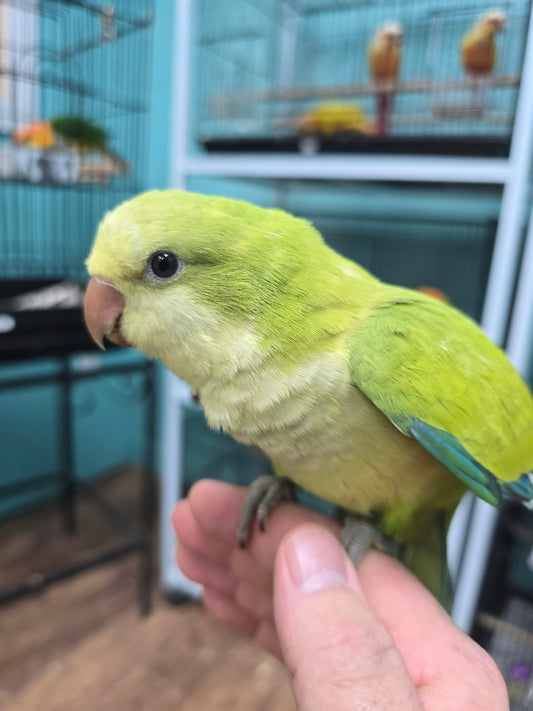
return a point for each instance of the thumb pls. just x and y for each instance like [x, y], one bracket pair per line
[340, 655]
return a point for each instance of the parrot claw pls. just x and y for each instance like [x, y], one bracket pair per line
[266, 492]
[358, 535]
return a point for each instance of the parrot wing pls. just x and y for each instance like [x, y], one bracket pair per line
[440, 380]
[450, 452]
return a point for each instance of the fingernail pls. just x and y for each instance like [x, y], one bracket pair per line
[315, 560]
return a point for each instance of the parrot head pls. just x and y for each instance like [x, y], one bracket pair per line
[492, 22]
[191, 279]
[391, 34]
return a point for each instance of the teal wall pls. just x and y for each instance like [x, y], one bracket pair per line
[108, 411]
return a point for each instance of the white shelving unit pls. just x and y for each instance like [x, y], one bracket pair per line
[468, 553]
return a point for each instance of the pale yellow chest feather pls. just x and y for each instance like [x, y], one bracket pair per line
[309, 418]
[286, 411]
[323, 433]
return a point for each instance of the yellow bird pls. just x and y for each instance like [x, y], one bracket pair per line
[384, 56]
[478, 46]
[331, 118]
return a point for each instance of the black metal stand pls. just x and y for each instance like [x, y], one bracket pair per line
[136, 539]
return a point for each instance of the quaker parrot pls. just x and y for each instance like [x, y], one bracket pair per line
[382, 400]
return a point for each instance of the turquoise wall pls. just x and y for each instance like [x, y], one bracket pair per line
[108, 411]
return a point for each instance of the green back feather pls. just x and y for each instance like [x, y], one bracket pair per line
[438, 378]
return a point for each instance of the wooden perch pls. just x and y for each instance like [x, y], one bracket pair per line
[330, 92]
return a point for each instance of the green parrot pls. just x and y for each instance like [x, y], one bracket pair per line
[382, 400]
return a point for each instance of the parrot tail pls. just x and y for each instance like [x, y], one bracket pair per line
[427, 559]
[521, 489]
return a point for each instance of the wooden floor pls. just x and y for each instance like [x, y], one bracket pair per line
[82, 646]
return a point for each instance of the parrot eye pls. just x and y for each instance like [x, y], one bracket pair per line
[163, 266]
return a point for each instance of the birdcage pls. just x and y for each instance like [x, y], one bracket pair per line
[359, 75]
[504, 623]
[74, 98]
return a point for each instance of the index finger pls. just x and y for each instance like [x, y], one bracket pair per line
[216, 507]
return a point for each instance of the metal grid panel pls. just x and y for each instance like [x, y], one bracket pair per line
[68, 59]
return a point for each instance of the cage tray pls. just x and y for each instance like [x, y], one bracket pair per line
[467, 146]
[40, 332]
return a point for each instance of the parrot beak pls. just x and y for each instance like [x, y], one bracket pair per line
[102, 310]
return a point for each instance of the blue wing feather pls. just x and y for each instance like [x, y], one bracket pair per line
[451, 453]
[522, 488]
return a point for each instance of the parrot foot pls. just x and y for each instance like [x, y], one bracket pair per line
[358, 535]
[266, 492]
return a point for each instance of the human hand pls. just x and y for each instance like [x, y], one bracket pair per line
[371, 638]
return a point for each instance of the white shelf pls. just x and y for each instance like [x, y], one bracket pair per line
[351, 167]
